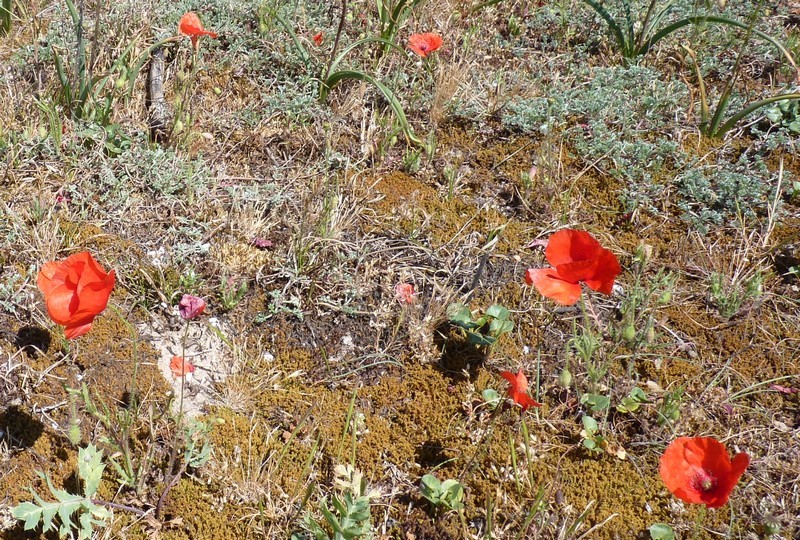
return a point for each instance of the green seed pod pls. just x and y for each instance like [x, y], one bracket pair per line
[650, 335]
[666, 297]
[629, 332]
[178, 127]
[565, 378]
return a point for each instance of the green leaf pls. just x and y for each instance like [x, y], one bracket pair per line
[90, 469]
[29, 512]
[638, 395]
[628, 405]
[476, 338]
[498, 312]
[460, 315]
[661, 531]
[431, 483]
[590, 425]
[491, 397]
[394, 103]
[596, 402]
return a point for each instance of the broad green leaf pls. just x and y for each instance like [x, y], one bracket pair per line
[498, 312]
[661, 531]
[590, 425]
[596, 402]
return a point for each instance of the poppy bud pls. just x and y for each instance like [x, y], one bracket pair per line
[565, 378]
[650, 335]
[629, 332]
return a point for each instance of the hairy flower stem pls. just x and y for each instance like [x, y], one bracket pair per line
[698, 524]
[173, 481]
[178, 422]
[118, 506]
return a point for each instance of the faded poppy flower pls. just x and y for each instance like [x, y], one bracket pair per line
[424, 44]
[519, 389]
[317, 38]
[191, 306]
[180, 366]
[190, 25]
[698, 470]
[76, 290]
[261, 243]
[404, 293]
[576, 256]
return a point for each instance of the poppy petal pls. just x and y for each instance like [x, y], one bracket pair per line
[76, 290]
[698, 470]
[606, 271]
[550, 285]
[424, 44]
[45, 279]
[73, 330]
[526, 401]
[570, 245]
[59, 303]
[94, 296]
[577, 271]
[510, 377]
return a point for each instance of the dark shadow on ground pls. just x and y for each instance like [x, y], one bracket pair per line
[32, 339]
[457, 353]
[21, 429]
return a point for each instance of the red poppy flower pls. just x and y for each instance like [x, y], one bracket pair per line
[698, 470]
[190, 25]
[404, 293]
[76, 290]
[317, 38]
[180, 367]
[519, 389]
[424, 44]
[191, 306]
[576, 256]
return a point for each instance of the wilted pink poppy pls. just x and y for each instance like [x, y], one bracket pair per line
[191, 306]
[404, 293]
